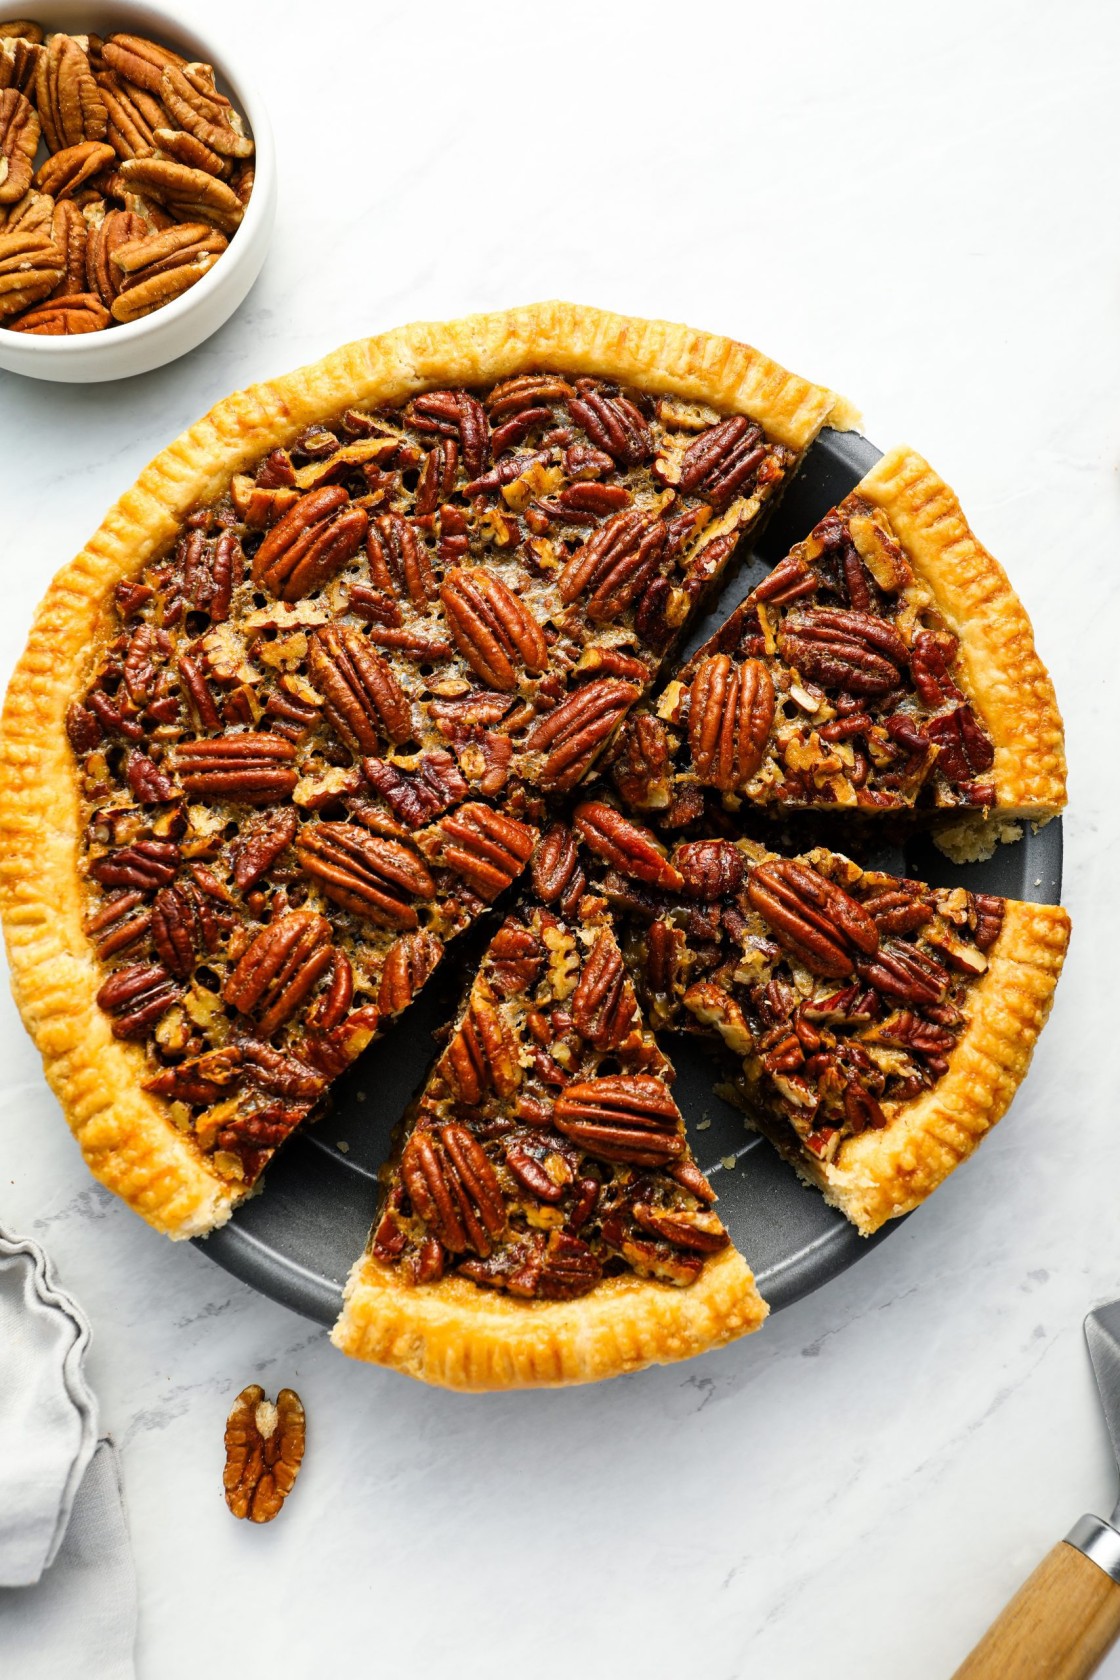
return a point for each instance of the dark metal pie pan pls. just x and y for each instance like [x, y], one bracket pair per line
[297, 1241]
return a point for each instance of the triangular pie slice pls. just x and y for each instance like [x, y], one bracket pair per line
[879, 1027]
[543, 1220]
[290, 721]
[884, 664]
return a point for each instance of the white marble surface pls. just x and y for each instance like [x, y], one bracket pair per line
[915, 205]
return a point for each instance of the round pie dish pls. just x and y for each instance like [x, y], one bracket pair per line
[389, 649]
[180, 326]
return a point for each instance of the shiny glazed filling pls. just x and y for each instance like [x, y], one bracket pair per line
[331, 720]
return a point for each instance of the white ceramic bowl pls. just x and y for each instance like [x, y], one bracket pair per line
[178, 327]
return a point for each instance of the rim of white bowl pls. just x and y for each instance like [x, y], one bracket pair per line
[133, 16]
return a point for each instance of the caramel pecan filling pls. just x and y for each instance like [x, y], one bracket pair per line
[326, 727]
[546, 1151]
[834, 683]
[841, 991]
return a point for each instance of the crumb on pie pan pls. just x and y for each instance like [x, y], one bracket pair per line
[180, 326]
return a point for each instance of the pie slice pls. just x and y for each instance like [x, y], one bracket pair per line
[884, 664]
[543, 1220]
[879, 1027]
[292, 719]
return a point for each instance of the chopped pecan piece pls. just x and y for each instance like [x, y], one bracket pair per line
[264, 1450]
[454, 414]
[374, 877]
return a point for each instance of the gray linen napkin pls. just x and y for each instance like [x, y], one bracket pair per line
[67, 1585]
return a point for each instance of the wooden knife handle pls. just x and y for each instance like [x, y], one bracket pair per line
[1064, 1619]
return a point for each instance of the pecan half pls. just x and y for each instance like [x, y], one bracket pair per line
[374, 877]
[526, 390]
[730, 715]
[454, 1189]
[572, 736]
[182, 924]
[280, 967]
[437, 476]
[260, 845]
[31, 266]
[362, 699]
[312, 541]
[625, 845]
[557, 875]
[264, 1450]
[482, 1055]
[710, 869]
[485, 848]
[964, 750]
[190, 195]
[398, 560]
[63, 317]
[139, 60]
[853, 651]
[701, 1232]
[718, 463]
[614, 565]
[242, 767]
[136, 996]
[132, 116]
[612, 422]
[454, 414]
[67, 97]
[147, 864]
[559, 1267]
[19, 140]
[204, 118]
[66, 173]
[493, 630]
[621, 1117]
[411, 960]
[821, 924]
[118, 228]
[162, 266]
[904, 972]
[603, 1004]
[70, 232]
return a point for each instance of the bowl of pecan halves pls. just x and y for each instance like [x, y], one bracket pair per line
[137, 191]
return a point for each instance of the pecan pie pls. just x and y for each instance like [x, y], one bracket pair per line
[869, 671]
[346, 654]
[546, 1161]
[879, 1026]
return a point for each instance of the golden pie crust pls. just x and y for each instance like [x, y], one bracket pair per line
[454, 1335]
[880, 1175]
[1004, 679]
[124, 1132]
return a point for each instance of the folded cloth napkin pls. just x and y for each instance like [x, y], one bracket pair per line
[67, 1585]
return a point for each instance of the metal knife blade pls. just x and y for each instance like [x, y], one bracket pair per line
[1102, 1332]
